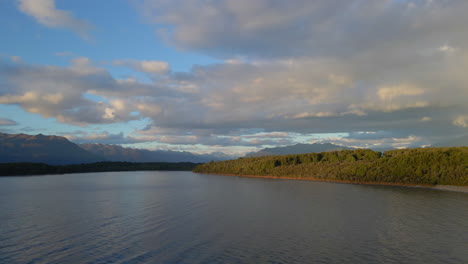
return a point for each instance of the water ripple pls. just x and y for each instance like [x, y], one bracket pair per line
[180, 217]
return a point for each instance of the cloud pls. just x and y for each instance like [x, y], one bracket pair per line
[447, 49]
[152, 67]
[273, 135]
[209, 137]
[303, 65]
[271, 28]
[64, 54]
[82, 137]
[395, 68]
[318, 114]
[61, 93]
[392, 92]
[7, 122]
[225, 104]
[461, 121]
[181, 139]
[46, 13]
[16, 59]
[384, 143]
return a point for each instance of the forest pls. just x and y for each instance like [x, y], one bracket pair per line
[23, 169]
[420, 166]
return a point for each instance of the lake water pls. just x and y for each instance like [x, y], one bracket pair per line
[181, 217]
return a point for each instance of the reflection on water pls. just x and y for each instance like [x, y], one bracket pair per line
[181, 217]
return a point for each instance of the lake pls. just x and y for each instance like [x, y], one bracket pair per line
[182, 217]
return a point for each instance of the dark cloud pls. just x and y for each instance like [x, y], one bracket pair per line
[298, 28]
[7, 122]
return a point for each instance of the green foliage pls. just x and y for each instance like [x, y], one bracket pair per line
[17, 169]
[408, 166]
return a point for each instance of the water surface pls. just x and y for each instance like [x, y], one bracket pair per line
[181, 217]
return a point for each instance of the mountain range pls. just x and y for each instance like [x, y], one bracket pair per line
[118, 153]
[297, 149]
[57, 150]
[52, 150]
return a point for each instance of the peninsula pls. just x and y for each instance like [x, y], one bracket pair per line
[421, 166]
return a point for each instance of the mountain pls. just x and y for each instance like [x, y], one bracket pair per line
[457, 142]
[218, 156]
[118, 153]
[56, 150]
[297, 149]
[52, 150]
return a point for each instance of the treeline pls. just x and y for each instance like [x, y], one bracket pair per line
[17, 169]
[431, 166]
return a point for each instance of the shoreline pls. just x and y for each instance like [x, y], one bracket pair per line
[26, 169]
[452, 188]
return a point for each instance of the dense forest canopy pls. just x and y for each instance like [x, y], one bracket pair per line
[17, 169]
[447, 166]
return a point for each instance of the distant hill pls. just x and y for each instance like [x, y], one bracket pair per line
[52, 150]
[56, 150]
[118, 153]
[27, 168]
[297, 149]
[218, 156]
[457, 142]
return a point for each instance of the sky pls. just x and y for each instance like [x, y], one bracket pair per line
[235, 76]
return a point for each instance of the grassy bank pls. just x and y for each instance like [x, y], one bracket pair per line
[424, 166]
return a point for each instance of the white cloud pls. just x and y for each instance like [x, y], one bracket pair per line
[461, 121]
[360, 109]
[394, 91]
[318, 114]
[13, 99]
[101, 137]
[153, 67]
[83, 66]
[60, 92]
[386, 142]
[447, 49]
[46, 13]
[268, 135]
